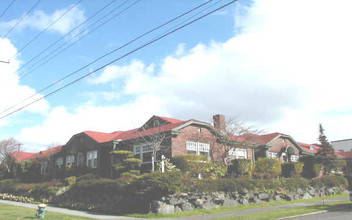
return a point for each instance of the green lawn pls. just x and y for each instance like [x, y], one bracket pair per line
[289, 211]
[8, 212]
[229, 209]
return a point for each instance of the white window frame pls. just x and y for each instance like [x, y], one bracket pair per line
[294, 158]
[70, 159]
[198, 147]
[238, 153]
[141, 149]
[92, 159]
[59, 162]
[272, 155]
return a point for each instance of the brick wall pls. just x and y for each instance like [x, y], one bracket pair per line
[199, 134]
[282, 142]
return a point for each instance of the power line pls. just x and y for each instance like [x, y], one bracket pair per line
[121, 57]
[47, 28]
[34, 66]
[63, 37]
[20, 20]
[7, 8]
[111, 52]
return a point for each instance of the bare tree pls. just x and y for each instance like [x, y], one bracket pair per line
[154, 139]
[7, 148]
[235, 135]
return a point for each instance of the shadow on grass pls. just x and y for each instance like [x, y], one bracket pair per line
[340, 208]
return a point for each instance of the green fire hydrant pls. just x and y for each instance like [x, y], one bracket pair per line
[41, 211]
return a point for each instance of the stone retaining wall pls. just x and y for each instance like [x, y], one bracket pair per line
[189, 201]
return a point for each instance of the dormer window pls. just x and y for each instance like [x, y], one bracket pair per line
[156, 123]
[311, 148]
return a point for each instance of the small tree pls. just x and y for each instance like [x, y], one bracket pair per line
[155, 138]
[235, 135]
[123, 161]
[7, 148]
[326, 154]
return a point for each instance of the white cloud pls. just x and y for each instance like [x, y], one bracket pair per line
[12, 92]
[61, 125]
[41, 20]
[287, 69]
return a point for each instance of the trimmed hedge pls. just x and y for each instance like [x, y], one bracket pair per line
[266, 168]
[239, 167]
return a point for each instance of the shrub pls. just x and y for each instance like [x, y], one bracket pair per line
[267, 168]
[311, 168]
[155, 185]
[288, 170]
[123, 161]
[168, 166]
[330, 181]
[132, 163]
[292, 184]
[191, 163]
[239, 167]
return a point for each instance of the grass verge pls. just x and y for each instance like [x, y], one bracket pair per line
[8, 212]
[229, 209]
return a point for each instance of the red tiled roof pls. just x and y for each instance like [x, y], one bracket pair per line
[171, 120]
[47, 153]
[20, 155]
[306, 147]
[260, 139]
[101, 137]
[347, 154]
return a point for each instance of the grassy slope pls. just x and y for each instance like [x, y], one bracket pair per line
[8, 212]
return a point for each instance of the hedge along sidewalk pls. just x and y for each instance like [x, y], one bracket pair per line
[259, 210]
[65, 211]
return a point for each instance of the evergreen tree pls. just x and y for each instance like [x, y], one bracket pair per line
[326, 154]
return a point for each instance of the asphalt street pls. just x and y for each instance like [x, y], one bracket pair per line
[343, 211]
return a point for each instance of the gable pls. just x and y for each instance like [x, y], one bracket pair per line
[157, 121]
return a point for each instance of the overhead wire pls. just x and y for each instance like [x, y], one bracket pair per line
[67, 34]
[109, 53]
[7, 8]
[121, 57]
[46, 58]
[47, 28]
[21, 19]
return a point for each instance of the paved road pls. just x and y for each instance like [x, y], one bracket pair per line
[341, 212]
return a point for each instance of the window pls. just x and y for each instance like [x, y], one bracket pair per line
[92, 159]
[59, 161]
[70, 159]
[272, 155]
[238, 153]
[198, 148]
[43, 168]
[294, 158]
[145, 153]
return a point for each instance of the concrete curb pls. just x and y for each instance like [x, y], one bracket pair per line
[301, 215]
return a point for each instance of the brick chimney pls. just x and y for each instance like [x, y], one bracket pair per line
[219, 122]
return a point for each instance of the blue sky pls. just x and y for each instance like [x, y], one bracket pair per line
[275, 64]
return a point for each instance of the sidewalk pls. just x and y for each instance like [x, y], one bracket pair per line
[65, 211]
[210, 216]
